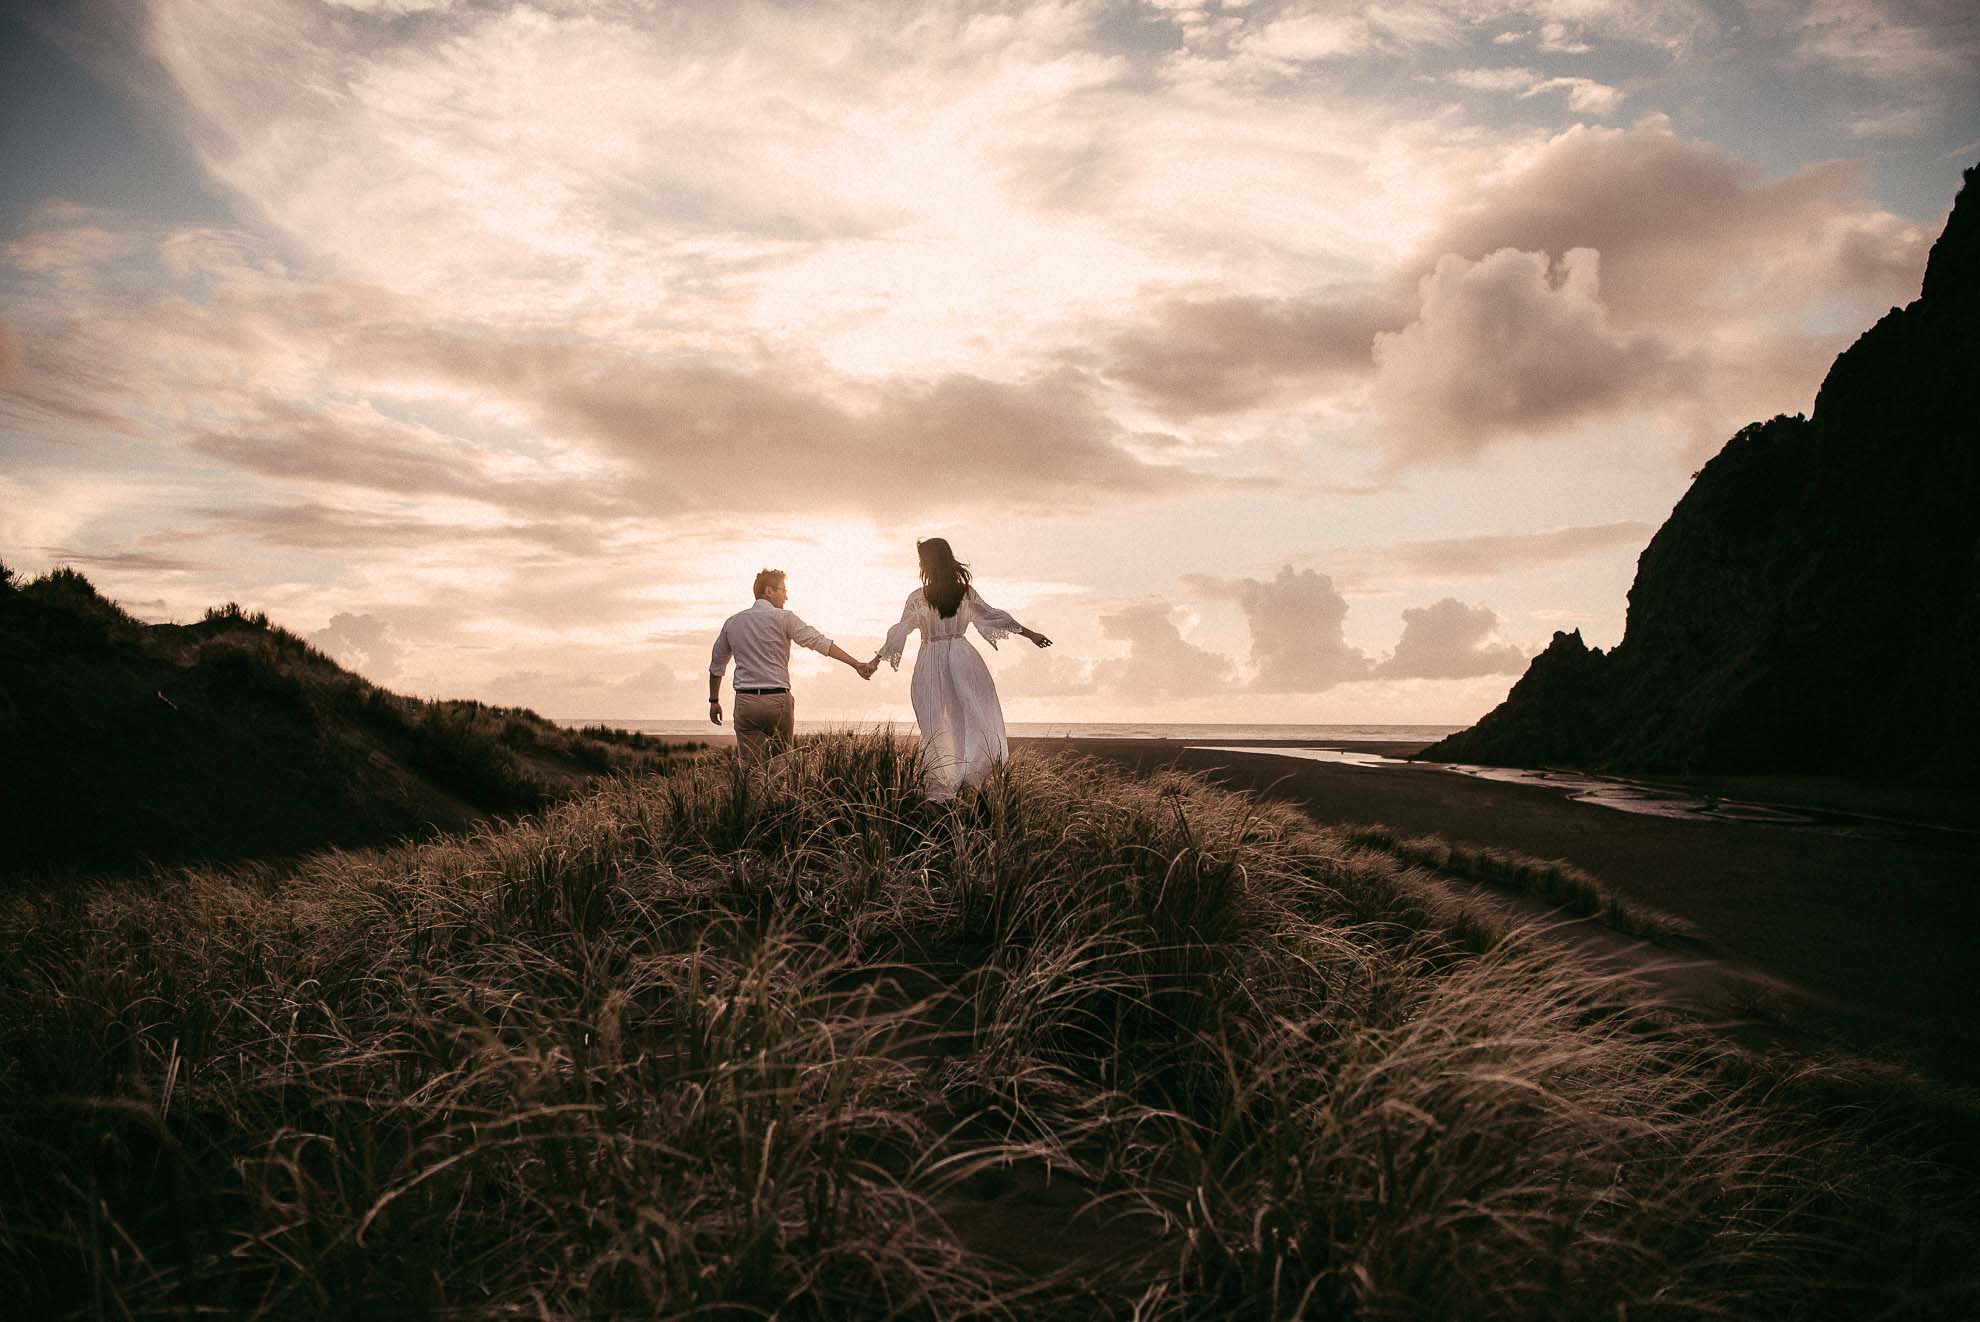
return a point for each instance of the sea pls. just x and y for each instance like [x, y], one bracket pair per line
[1209, 732]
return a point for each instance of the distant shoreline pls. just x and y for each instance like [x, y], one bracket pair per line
[1193, 731]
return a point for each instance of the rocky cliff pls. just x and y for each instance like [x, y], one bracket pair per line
[1813, 602]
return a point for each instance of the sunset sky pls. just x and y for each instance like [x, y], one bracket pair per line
[1284, 362]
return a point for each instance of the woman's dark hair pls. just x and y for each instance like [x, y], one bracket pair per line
[943, 580]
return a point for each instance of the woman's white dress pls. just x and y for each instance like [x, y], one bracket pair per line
[955, 699]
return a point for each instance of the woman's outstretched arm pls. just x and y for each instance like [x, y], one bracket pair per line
[890, 650]
[994, 623]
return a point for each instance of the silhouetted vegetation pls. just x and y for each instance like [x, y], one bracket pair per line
[1813, 602]
[1084, 1044]
[232, 738]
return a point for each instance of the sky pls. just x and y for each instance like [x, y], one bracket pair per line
[1284, 362]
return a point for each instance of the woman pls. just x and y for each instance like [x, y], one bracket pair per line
[955, 700]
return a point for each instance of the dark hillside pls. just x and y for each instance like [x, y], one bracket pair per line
[1813, 602]
[123, 742]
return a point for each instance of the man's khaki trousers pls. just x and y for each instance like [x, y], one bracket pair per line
[765, 725]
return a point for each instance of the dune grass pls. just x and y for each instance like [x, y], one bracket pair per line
[1082, 1044]
[1552, 881]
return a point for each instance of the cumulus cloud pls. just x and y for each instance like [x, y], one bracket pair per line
[1696, 249]
[1689, 236]
[1587, 260]
[363, 643]
[1450, 640]
[1160, 663]
[1298, 643]
[1512, 344]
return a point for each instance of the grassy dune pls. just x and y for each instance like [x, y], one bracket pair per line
[128, 743]
[1084, 1045]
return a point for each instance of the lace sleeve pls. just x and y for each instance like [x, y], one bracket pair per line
[890, 651]
[992, 623]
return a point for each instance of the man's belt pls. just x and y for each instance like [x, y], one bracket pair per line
[755, 692]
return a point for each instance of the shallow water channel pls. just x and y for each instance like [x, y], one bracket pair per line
[1603, 791]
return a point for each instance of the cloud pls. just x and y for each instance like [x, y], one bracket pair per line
[1503, 553]
[1492, 80]
[1686, 301]
[1889, 42]
[1584, 95]
[1760, 281]
[139, 560]
[1160, 662]
[1300, 34]
[308, 383]
[390, 6]
[1298, 644]
[1910, 61]
[363, 643]
[1307, 37]
[654, 690]
[1046, 674]
[1198, 356]
[565, 596]
[338, 444]
[1512, 345]
[1690, 238]
[1450, 640]
[1558, 38]
[686, 158]
[692, 430]
[10, 352]
[315, 525]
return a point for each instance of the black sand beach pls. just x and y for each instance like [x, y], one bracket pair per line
[1877, 919]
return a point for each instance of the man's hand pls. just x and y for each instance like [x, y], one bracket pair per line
[715, 711]
[866, 668]
[839, 654]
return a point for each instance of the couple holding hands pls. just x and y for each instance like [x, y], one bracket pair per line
[955, 699]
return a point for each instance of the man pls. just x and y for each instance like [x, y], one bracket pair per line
[760, 640]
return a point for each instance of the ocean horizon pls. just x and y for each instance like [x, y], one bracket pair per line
[1223, 732]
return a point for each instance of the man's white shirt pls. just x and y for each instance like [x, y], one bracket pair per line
[760, 640]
